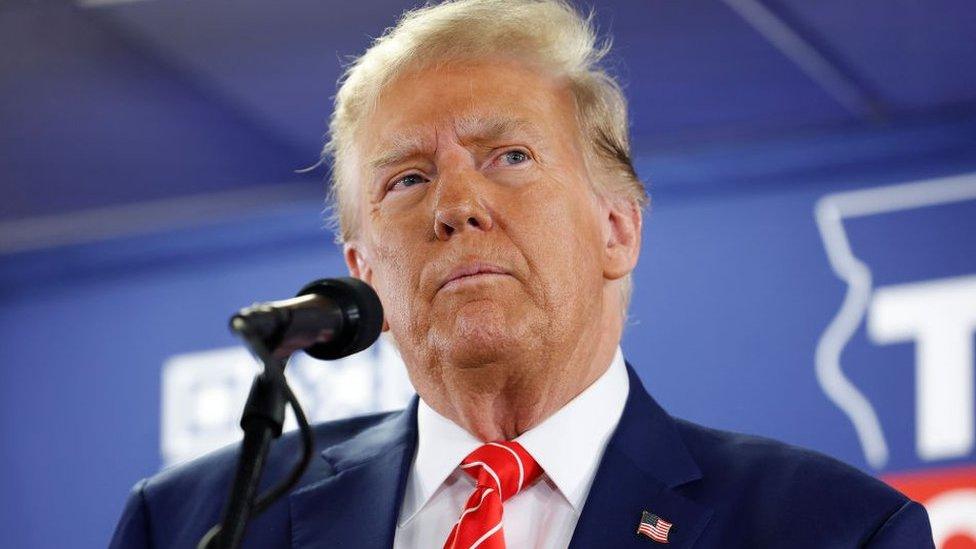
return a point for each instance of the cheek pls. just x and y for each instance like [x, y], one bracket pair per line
[392, 269]
[396, 237]
[397, 261]
[559, 235]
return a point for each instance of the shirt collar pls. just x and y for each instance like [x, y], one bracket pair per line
[568, 444]
[441, 445]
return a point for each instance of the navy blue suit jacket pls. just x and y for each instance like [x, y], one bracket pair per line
[718, 489]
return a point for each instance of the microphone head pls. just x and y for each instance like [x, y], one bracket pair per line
[362, 314]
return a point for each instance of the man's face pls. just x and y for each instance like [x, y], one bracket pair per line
[480, 228]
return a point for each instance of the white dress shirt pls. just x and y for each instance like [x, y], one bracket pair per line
[568, 446]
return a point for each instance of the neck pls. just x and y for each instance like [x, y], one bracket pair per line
[502, 400]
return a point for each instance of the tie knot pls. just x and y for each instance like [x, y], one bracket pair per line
[504, 466]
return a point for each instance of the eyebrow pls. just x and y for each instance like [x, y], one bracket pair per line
[401, 146]
[493, 128]
[469, 129]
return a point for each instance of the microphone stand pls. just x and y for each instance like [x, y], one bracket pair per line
[330, 319]
[262, 421]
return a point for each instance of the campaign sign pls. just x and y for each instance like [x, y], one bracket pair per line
[898, 358]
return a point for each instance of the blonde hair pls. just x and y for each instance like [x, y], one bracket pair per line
[547, 33]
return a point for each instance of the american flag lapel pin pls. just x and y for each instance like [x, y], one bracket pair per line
[654, 527]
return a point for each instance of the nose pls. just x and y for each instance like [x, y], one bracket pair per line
[459, 208]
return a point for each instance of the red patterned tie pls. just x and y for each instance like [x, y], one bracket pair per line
[501, 470]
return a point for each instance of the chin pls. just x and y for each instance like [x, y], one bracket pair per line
[478, 333]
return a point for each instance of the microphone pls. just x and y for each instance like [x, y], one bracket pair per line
[330, 318]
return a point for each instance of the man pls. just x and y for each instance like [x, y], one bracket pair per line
[484, 188]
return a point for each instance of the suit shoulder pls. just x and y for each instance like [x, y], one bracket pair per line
[218, 465]
[753, 463]
[177, 505]
[766, 493]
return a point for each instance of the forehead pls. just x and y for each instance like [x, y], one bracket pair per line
[476, 101]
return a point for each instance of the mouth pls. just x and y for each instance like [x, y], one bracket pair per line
[471, 273]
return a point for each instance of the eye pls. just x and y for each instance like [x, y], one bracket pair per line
[408, 180]
[514, 157]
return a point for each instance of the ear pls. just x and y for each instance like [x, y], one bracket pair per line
[624, 220]
[358, 264]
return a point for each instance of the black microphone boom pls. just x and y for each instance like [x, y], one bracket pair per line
[330, 318]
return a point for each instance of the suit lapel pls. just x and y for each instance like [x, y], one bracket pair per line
[644, 462]
[358, 505]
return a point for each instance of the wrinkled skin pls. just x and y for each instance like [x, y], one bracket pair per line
[481, 166]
